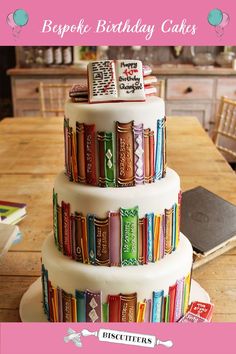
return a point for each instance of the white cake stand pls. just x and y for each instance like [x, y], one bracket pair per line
[31, 308]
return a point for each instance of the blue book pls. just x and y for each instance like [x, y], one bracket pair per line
[157, 299]
[159, 149]
[150, 236]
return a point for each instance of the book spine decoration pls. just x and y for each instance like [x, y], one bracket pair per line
[66, 228]
[81, 305]
[141, 242]
[114, 238]
[90, 155]
[106, 160]
[78, 238]
[159, 162]
[55, 222]
[128, 311]
[91, 239]
[179, 299]
[80, 152]
[102, 241]
[114, 303]
[157, 306]
[164, 148]
[150, 236]
[141, 312]
[120, 239]
[93, 306]
[136, 158]
[168, 229]
[59, 304]
[45, 290]
[87, 306]
[129, 236]
[139, 153]
[148, 311]
[172, 295]
[74, 157]
[66, 148]
[67, 306]
[125, 154]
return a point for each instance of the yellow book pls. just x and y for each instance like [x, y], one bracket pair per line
[141, 311]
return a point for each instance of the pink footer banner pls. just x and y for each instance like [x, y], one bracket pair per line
[62, 338]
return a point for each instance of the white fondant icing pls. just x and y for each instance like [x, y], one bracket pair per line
[150, 198]
[104, 115]
[71, 275]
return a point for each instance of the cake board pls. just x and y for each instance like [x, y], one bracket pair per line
[31, 308]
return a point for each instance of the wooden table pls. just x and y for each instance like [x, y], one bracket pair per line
[31, 154]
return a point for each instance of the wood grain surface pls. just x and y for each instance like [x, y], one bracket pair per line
[31, 155]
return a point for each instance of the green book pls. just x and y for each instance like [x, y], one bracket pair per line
[55, 229]
[81, 305]
[129, 236]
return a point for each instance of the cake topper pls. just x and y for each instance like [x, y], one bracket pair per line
[120, 80]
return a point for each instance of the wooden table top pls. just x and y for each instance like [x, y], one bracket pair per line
[32, 154]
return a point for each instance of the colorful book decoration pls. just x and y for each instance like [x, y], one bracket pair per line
[11, 212]
[129, 236]
[120, 80]
[130, 156]
[125, 154]
[122, 238]
[87, 306]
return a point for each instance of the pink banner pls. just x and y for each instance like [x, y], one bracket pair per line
[104, 22]
[117, 338]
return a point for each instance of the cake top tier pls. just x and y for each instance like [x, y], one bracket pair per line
[115, 81]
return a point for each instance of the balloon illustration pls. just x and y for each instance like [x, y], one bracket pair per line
[215, 17]
[10, 20]
[219, 20]
[20, 17]
[16, 20]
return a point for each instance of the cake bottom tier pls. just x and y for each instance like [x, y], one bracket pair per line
[85, 293]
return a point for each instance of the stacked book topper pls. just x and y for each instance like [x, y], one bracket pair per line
[119, 80]
[128, 157]
[87, 306]
[120, 239]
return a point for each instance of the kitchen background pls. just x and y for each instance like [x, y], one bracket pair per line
[193, 78]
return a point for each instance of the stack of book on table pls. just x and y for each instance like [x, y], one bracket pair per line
[10, 214]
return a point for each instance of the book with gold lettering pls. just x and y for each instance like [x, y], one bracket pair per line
[102, 241]
[125, 154]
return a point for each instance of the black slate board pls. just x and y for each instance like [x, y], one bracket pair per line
[207, 220]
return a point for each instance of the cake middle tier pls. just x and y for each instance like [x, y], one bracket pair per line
[117, 226]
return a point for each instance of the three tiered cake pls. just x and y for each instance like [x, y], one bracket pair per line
[117, 254]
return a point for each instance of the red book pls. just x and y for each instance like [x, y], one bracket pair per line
[172, 294]
[202, 309]
[114, 303]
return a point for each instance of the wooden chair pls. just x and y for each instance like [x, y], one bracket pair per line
[160, 88]
[52, 98]
[224, 133]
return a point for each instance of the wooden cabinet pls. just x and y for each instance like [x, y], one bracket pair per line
[25, 86]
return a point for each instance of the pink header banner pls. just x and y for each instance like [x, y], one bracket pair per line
[106, 22]
[63, 338]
